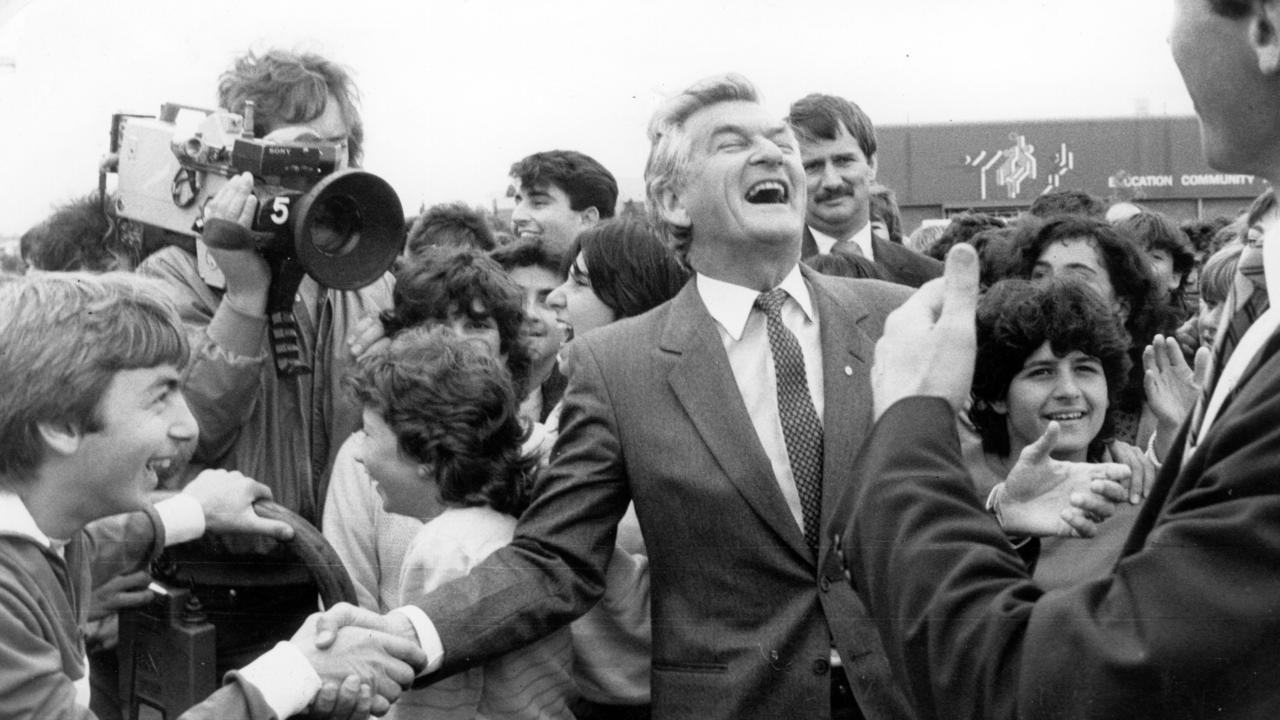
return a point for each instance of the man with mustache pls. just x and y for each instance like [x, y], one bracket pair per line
[838, 149]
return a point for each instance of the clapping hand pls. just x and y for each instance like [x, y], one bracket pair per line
[1172, 387]
[1046, 497]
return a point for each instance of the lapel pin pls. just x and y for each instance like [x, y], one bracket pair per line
[848, 370]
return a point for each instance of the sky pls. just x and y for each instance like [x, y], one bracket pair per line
[454, 91]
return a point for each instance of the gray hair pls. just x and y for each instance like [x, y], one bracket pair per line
[670, 146]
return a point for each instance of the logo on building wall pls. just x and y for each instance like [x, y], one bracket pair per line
[1014, 166]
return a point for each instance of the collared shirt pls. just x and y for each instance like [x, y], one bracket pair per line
[745, 336]
[283, 675]
[182, 514]
[1257, 334]
[862, 239]
[746, 342]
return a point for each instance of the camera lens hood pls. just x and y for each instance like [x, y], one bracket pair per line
[348, 229]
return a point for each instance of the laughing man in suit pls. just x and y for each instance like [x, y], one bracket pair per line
[838, 148]
[732, 458]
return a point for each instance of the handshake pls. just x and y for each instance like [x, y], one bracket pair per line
[364, 666]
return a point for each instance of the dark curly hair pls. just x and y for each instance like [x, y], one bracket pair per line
[1016, 317]
[431, 285]
[961, 229]
[453, 408]
[631, 269]
[76, 236]
[1067, 202]
[1131, 279]
[449, 224]
[1154, 231]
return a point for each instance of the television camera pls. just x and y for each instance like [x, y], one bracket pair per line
[343, 227]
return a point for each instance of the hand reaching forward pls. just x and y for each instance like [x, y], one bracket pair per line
[227, 498]
[929, 342]
[1043, 497]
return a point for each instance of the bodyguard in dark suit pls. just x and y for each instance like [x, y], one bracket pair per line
[1188, 623]
[730, 416]
[838, 148]
[903, 265]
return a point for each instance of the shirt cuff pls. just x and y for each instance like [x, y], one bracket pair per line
[182, 517]
[284, 677]
[1151, 451]
[428, 638]
[993, 504]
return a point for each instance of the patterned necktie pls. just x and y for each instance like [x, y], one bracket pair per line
[800, 426]
[1246, 300]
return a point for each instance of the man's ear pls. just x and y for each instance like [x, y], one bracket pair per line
[61, 438]
[1264, 36]
[874, 166]
[590, 216]
[672, 209]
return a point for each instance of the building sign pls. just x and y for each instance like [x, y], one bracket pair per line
[1126, 159]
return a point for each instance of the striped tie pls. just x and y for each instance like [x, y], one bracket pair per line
[1246, 300]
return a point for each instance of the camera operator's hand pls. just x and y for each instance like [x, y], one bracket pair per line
[227, 499]
[247, 273]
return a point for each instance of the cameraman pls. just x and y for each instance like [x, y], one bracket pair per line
[284, 431]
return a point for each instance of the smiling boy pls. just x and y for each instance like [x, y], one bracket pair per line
[89, 413]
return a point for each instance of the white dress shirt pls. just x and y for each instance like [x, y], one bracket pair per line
[746, 341]
[1257, 334]
[862, 239]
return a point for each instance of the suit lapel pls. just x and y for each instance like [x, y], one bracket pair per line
[808, 245]
[703, 382]
[890, 256]
[846, 369]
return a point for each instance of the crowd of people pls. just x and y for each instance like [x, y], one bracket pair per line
[763, 453]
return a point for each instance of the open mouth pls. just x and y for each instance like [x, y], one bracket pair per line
[160, 466]
[768, 192]
[1066, 416]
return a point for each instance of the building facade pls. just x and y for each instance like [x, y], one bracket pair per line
[941, 170]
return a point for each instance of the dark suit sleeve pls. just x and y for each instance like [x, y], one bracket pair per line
[975, 638]
[553, 571]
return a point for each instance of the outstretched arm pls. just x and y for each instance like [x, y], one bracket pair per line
[973, 637]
